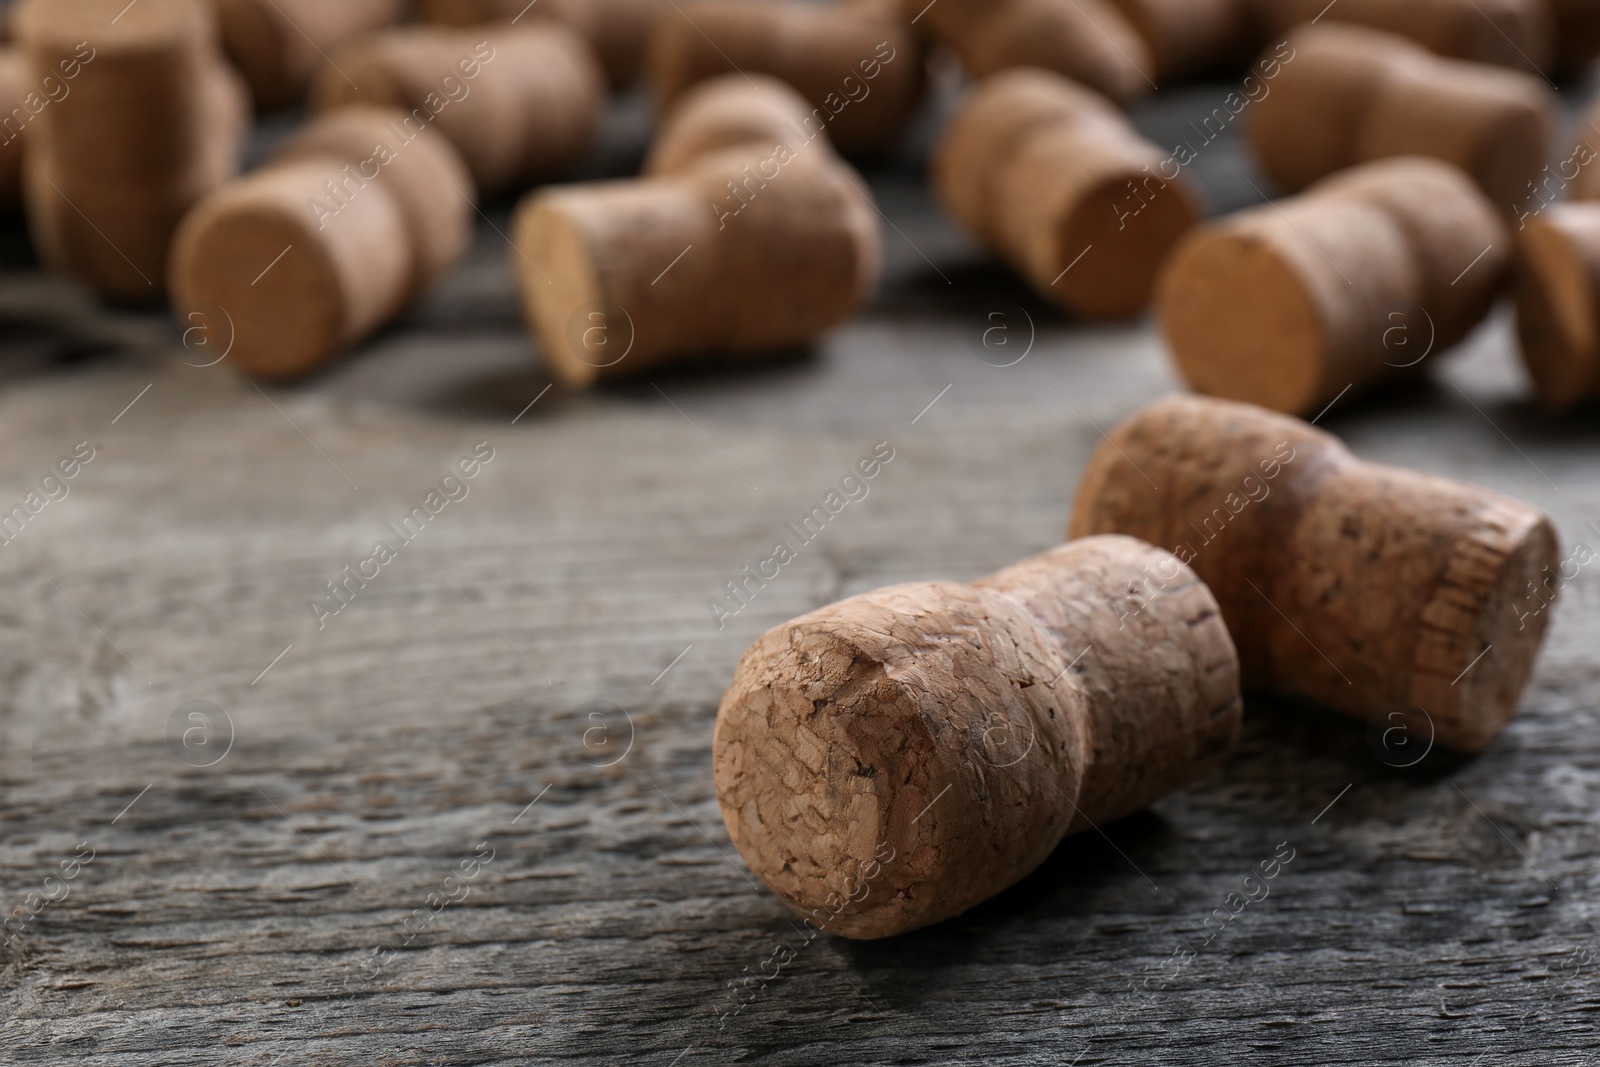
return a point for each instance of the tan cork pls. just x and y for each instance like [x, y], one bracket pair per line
[1508, 33]
[1558, 303]
[1353, 95]
[278, 44]
[154, 121]
[857, 63]
[1088, 41]
[16, 114]
[1383, 593]
[520, 103]
[1354, 283]
[333, 238]
[618, 30]
[742, 250]
[1058, 183]
[1188, 38]
[951, 735]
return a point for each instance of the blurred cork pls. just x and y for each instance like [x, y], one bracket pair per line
[1521, 34]
[1383, 593]
[153, 122]
[1190, 38]
[618, 30]
[732, 245]
[278, 44]
[16, 114]
[1353, 95]
[951, 735]
[1293, 304]
[1558, 294]
[857, 63]
[1058, 183]
[352, 220]
[1088, 41]
[520, 103]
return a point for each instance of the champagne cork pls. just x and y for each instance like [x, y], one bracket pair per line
[278, 44]
[858, 63]
[1557, 293]
[1058, 183]
[1353, 95]
[1383, 593]
[1290, 305]
[520, 103]
[326, 243]
[745, 249]
[1088, 41]
[1187, 38]
[618, 30]
[1510, 33]
[14, 90]
[892, 760]
[153, 122]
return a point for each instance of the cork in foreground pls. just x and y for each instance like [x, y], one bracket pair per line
[1353, 95]
[747, 235]
[951, 735]
[1374, 590]
[1056, 181]
[1357, 282]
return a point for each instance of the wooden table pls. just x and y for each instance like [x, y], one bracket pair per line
[522, 702]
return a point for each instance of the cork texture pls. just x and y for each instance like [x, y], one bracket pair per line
[1373, 590]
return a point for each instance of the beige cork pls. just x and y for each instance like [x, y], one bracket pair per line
[729, 111]
[1558, 303]
[1357, 282]
[897, 758]
[742, 250]
[1352, 95]
[520, 103]
[858, 64]
[1188, 38]
[1509, 33]
[153, 122]
[17, 110]
[618, 30]
[1058, 183]
[1088, 41]
[328, 242]
[1383, 593]
[278, 44]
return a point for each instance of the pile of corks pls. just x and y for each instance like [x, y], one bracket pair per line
[947, 735]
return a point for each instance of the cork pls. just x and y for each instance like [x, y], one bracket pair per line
[1557, 296]
[743, 250]
[153, 122]
[1088, 41]
[1350, 285]
[858, 63]
[727, 112]
[1511, 33]
[278, 44]
[1190, 38]
[1053, 179]
[520, 103]
[1353, 95]
[1383, 593]
[329, 241]
[618, 30]
[892, 760]
[14, 102]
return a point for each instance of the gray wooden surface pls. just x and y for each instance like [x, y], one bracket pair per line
[536, 676]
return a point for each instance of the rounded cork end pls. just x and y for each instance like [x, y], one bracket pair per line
[1556, 313]
[1136, 237]
[1241, 322]
[580, 335]
[894, 759]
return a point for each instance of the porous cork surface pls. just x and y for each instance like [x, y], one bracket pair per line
[943, 738]
[1371, 589]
